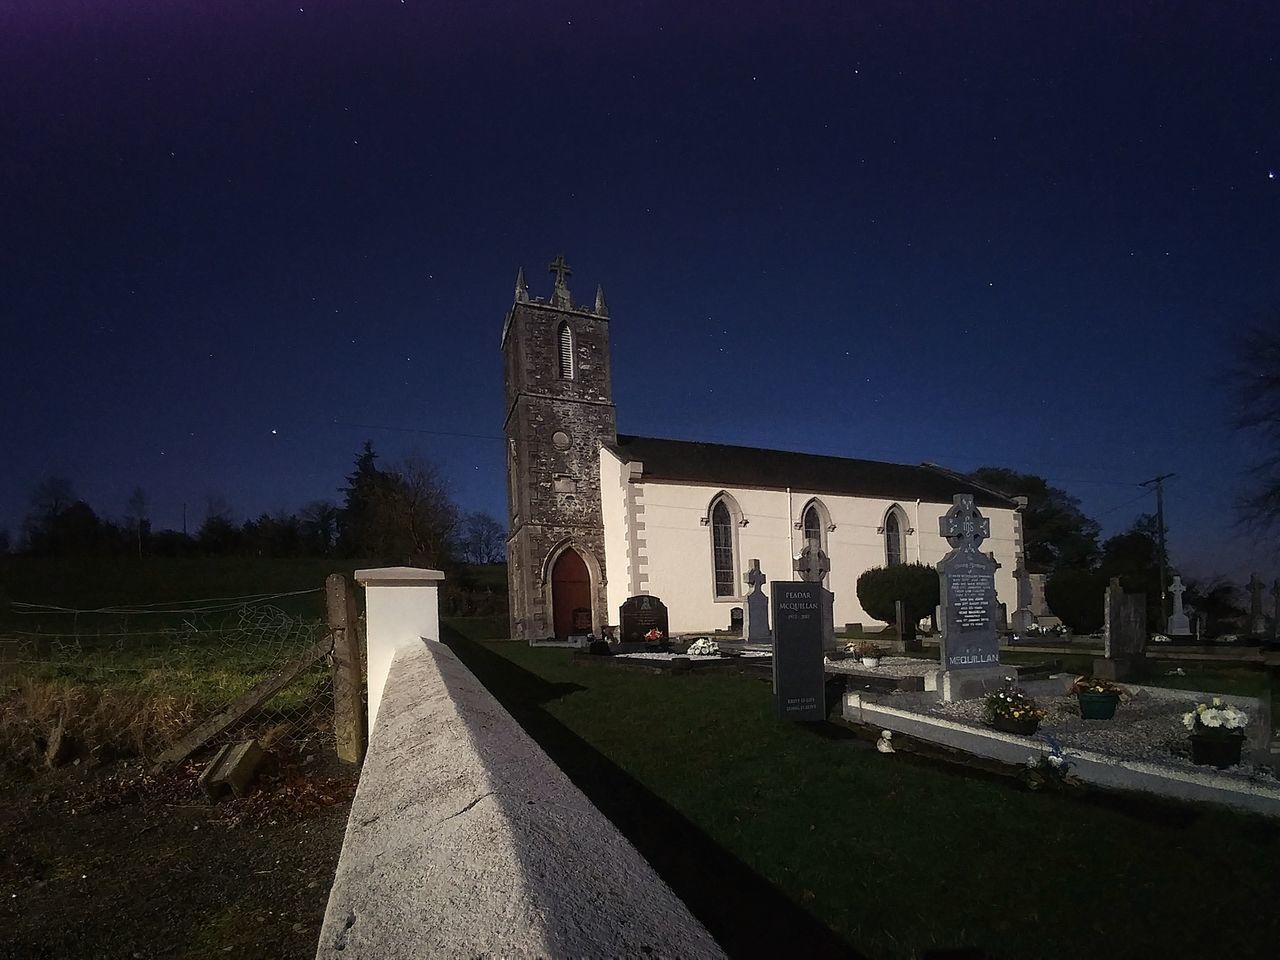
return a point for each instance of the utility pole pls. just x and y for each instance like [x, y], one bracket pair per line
[1164, 562]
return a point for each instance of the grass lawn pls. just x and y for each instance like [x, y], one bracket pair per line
[780, 833]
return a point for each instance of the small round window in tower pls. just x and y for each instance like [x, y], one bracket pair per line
[561, 440]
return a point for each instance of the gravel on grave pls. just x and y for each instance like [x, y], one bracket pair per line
[1145, 728]
[744, 655]
[889, 666]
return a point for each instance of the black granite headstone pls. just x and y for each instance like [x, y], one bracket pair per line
[641, 614]
[798, 673]
[735, 620]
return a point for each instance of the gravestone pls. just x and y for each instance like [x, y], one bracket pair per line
[970, 647]
[906, 628]
[798, 672]
[1179, 623]
[735, 620]
[641, 614]
[1124, 634]
[1023, 617]
[1257, 622]
[755, 626]
[813, 565]
[582, 620]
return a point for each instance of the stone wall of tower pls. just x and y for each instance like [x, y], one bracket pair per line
[554, 429]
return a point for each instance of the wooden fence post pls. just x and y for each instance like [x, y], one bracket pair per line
[348, 677]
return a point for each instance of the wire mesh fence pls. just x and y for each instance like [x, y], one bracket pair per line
[149, 679]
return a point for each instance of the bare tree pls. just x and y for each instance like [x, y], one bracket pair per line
[51, 496]
[416, 518]
[483, 538]
[1257, 381]
[217, 508]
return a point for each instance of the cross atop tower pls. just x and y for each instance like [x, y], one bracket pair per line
[561, 269]
[963, 526]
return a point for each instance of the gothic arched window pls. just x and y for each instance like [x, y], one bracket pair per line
[565, 338]
[893, 545]
[722, 559]
[812, 525]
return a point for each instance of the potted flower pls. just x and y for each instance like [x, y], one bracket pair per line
[1012, 711]
[1217, 733]
[868, 652]
[1098, 697]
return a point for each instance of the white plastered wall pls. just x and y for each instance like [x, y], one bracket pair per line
[613, 507]
[677, 553]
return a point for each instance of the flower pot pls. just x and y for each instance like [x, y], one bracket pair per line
[1023, 727]
[1098, 706]
[1216, 751]
[871, 661]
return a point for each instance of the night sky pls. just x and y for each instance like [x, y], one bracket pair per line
[239, 238]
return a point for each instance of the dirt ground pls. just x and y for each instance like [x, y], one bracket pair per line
[108, 863]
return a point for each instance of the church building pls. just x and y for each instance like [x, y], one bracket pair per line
[597, 516]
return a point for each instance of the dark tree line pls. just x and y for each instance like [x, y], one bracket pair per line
[402, 513]
[1061, 541]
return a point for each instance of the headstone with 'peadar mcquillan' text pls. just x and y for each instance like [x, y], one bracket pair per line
[798, 675]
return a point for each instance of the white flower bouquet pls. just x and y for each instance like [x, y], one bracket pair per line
[1216, 719]
[703, 647]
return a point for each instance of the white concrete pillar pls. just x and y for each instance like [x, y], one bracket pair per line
[402, 608]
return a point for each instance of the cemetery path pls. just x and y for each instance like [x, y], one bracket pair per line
[104, 864]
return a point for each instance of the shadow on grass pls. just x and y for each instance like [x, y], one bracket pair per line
[746, 914]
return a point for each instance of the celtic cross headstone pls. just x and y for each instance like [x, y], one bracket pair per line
[967, 582]
[813, 565]
[755, 620]
[1179, 623]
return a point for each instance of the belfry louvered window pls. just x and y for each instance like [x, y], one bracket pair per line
[566, 352]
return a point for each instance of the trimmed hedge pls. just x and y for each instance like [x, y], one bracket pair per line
[915, 584]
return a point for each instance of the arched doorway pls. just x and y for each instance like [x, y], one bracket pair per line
[570, 595]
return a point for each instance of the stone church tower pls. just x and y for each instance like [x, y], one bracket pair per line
[559, 410]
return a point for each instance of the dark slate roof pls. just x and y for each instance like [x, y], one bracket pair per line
[722, 465]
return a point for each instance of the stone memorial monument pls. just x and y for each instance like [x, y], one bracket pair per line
[798, 672]
[1179, 623]
[967, 580]
[1124, 634]
[641, 614]
[813, 565]
[755, 622]
[1257, 621]
[1023, 617]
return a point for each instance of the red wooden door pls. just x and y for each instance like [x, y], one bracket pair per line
[570, 595]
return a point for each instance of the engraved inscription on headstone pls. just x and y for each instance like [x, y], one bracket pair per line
[968, 587]
[798, 677]
[641, 614]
